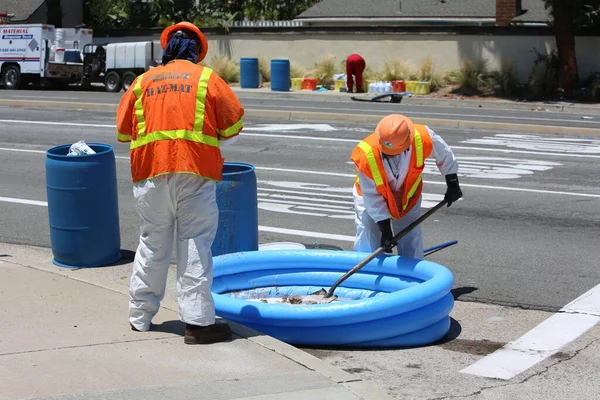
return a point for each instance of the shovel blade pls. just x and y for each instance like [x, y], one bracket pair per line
[320, 292]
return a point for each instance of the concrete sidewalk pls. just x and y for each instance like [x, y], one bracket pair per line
[64, 334]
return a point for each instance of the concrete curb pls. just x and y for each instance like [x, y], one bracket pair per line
[564, 107]
[339, 117]
[358, 386]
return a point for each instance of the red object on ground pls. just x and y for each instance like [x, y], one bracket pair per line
[355, 66]
[309, 84]
[398, 86]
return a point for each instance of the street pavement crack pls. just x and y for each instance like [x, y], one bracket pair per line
[524, 380]
[88, 345]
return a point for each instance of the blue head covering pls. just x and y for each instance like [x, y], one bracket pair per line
[180, 47]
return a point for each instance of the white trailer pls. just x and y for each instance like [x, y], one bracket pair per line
[125, 61]
[118, 64]
[28, 53]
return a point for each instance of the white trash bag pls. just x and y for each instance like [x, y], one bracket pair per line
[80, 149]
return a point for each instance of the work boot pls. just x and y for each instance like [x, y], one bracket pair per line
[133, 328]
[206, 334]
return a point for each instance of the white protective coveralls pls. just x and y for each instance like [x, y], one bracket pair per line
[371, 206]
[184, 204]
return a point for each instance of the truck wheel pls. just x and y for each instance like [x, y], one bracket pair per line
[128, 78]
[12, 77]
[113, 82]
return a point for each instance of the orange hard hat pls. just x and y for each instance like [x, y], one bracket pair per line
[395, 133]
[165, 36]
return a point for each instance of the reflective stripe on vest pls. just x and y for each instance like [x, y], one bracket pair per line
[375, 172]
[196, 135]
[418, 141]
[232, 130]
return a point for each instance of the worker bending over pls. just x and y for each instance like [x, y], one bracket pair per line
[176, 116]
[388, 187]
[355, 66]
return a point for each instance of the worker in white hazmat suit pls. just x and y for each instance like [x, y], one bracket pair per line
[176, 116]
[388, 187]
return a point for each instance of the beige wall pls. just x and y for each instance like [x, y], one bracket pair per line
[445, 50]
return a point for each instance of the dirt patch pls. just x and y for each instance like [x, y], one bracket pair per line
[475, 347]
[356, 370]
[561, 355]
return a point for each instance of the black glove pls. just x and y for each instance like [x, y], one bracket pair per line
[385, 227]
[453, 192]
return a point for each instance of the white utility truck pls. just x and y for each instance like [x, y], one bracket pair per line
[41, 54]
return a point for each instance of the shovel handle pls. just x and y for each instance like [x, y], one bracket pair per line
[380, 250]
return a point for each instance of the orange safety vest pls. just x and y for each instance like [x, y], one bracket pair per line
[367, 158]
[174, 116]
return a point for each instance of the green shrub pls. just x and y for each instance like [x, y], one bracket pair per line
[297, 71]
[226, 68]
[591, 86]
[427, 73]
[265, 69]
[543, 79]
[371, 75]
[473, 75]
[396, 70]
[324, 70]
[505, 80]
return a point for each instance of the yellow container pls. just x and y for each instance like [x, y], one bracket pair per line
[366, 84]
[411, 86]
[417, 87]
[297, 83]
[423, 88]
[338, 84]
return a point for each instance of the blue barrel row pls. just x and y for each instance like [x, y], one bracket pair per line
[83, 208]
[250, 74]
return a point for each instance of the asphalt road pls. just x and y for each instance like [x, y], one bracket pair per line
[527, 227]
[334, 104]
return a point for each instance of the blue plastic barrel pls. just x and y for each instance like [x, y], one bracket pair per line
[83, 207]
[238, 210]
[249, 73]
[280, 75]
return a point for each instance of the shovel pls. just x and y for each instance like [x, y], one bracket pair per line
[395, 239]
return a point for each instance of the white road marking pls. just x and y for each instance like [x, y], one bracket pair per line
[262, 189]
[537, 153]
[544, 340]
[24, 201]
[539, 143]
[262, 228]
[301, 199]
[294, 232]
[316, 138]
[17, 121]
[22, 150]
[494, 167]
[290, 127]
[46, 98]
[308, 172]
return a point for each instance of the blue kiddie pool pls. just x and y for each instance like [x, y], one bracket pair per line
[391, 302]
